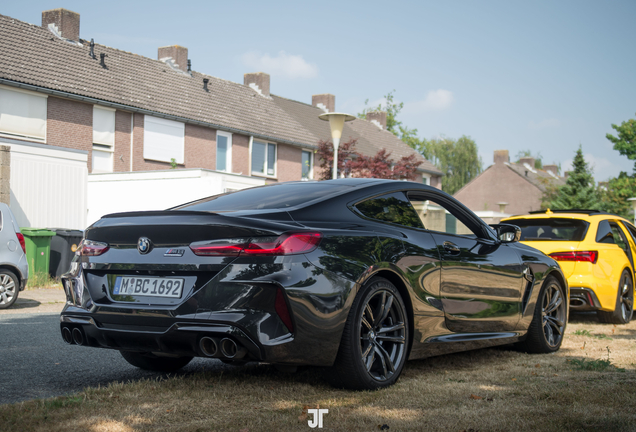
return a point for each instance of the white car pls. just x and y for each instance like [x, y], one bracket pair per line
[14, 268]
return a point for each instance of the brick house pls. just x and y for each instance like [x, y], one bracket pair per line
[131, 113]
[507, 188]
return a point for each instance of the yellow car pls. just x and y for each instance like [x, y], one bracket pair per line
[596, 252]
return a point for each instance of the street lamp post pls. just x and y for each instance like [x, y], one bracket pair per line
[633, 200]
[336, 123]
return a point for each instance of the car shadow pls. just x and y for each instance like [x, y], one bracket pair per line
[584, 318]
[22, 303]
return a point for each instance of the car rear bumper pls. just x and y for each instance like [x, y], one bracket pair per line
[601, 291]
[246, 312]
[181, 338]
[583, 299]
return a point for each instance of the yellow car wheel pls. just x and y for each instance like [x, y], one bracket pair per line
[624, 308]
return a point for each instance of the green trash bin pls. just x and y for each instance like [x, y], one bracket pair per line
[38, 248]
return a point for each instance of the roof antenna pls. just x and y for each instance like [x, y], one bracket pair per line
[189, 65]
[205, 84]
[101, 60]
[91, 53]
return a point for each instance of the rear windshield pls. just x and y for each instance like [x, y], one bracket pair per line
[280, 196]
[551, 229]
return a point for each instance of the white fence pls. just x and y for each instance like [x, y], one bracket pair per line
[157, 190]
[48, 185]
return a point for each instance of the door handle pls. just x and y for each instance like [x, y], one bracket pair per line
[451, 248]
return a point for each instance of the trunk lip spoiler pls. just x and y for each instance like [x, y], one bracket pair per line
[158, 213]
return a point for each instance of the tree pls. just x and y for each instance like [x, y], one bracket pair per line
[618, 189]
[393, 125]
[625, 143]
[457, 159]
[353, 164]
[579, 191]
[615, 194]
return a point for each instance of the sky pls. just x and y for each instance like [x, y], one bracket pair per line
[543, 76]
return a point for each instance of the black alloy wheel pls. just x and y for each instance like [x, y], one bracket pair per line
[374, 344]
[546, 331]
[9, 288]
[624, 308]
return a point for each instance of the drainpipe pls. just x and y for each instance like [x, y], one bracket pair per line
[132, 128]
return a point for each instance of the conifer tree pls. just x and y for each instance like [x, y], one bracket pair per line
[579, 191]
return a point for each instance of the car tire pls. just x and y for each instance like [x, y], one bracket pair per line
[151, 362]
[547, 328]
[9, 288]
[624, 308]
[375, 340]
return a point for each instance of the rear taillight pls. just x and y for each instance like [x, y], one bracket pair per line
[21, 240]
[228, 247]
[92, 248]
[583, 256]
[286, 244]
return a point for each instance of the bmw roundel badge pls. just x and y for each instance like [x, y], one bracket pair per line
[143, 245]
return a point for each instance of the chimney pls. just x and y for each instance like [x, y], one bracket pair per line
[259, 81]
[554, 169]
[501, 157]
[378, 118]
[527, 160]
[65, 22]
[325, 101]
[177, 53]
[567, 174]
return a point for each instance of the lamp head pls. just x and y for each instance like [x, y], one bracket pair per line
[336, 123]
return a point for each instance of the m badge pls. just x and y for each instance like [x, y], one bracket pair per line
[174, 253]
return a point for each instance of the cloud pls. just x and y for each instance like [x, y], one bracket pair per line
[286, 65]
[436, 100]
[544, 124]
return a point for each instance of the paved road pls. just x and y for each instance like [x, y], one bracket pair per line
[36, 363]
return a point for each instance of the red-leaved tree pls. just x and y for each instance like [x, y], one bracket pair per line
[353, 164]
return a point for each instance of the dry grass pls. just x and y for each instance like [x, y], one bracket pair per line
[487, 390]
[43, 280]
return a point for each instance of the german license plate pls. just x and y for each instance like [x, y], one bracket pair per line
[148, 286]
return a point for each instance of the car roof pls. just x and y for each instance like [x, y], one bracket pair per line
[587, 215]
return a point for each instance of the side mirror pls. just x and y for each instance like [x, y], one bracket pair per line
[507, 233]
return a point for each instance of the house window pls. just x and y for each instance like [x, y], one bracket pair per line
[22, 114]
[307, 165]
[103, 139]
[163, 139]
[223, 151]
[263, 158]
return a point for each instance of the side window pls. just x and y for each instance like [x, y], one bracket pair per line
[604, 233]
[438, 217]
[394, 208]
[619, 237]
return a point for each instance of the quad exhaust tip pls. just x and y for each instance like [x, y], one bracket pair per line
[78, 337]
[209, 346]
[66, 335]
[231, 350]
